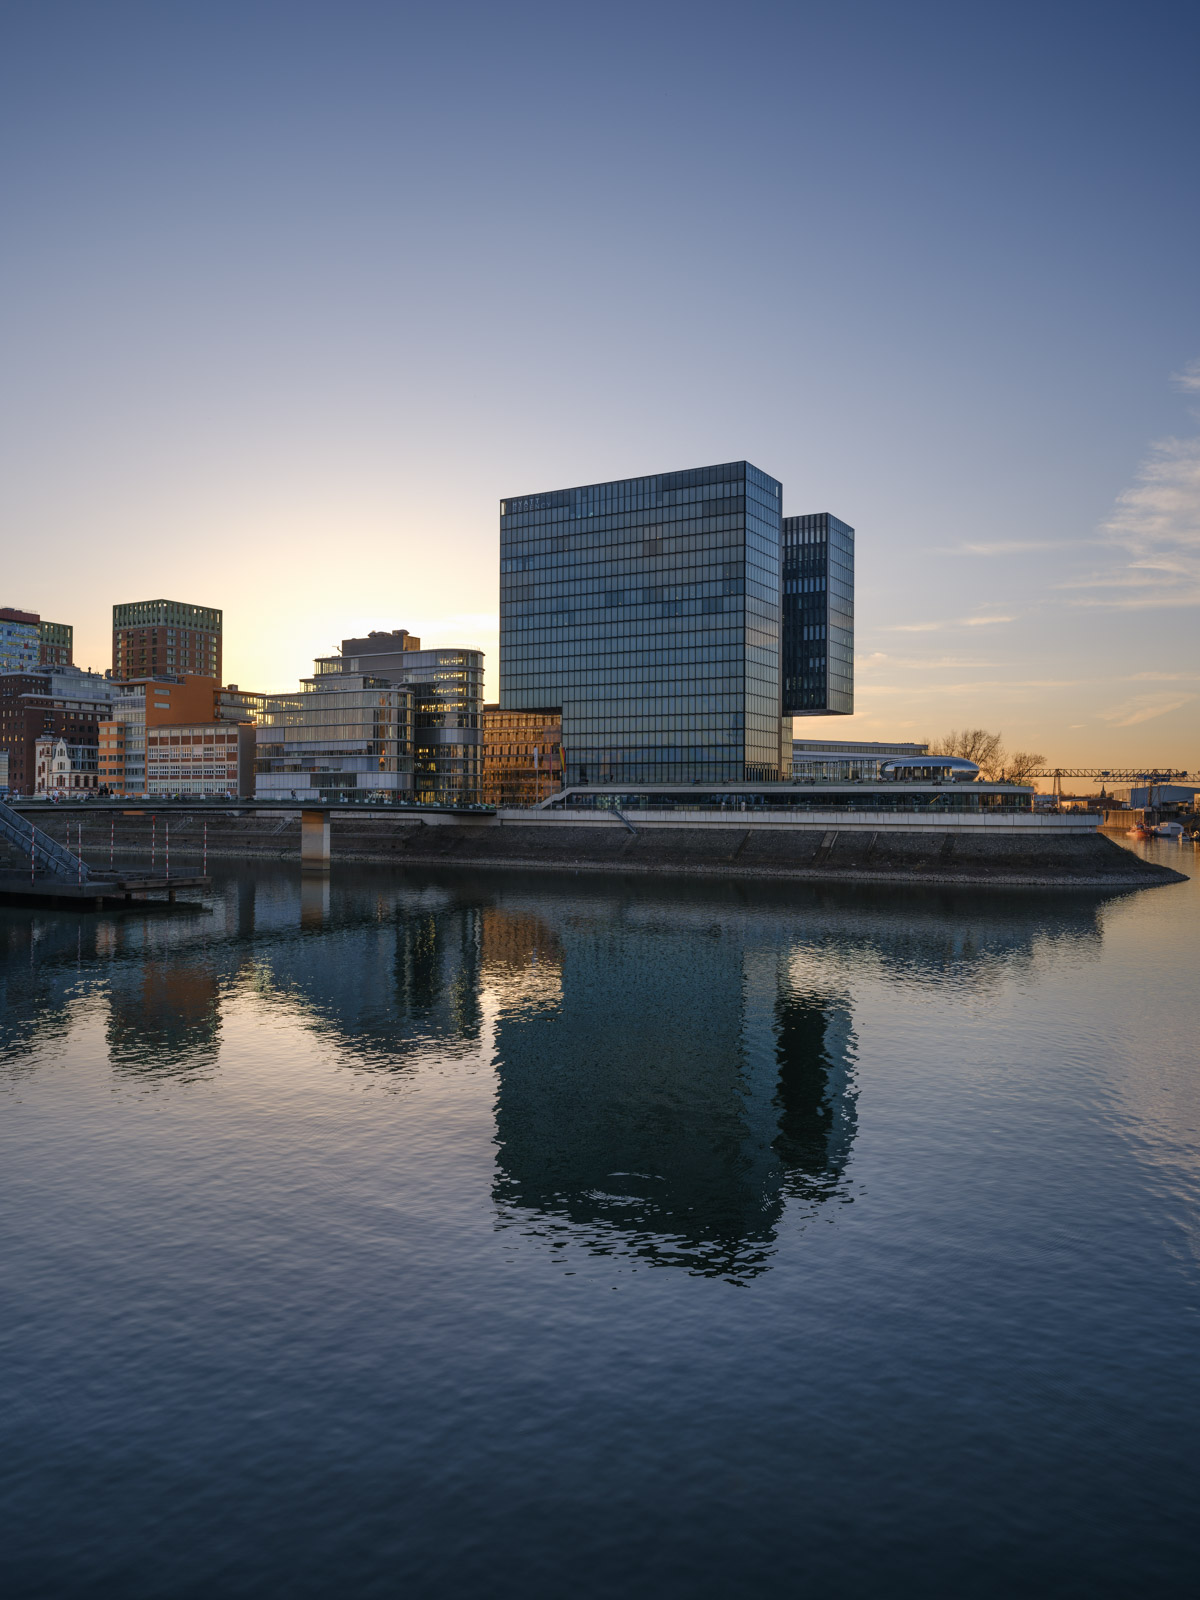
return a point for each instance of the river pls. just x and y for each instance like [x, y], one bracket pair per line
[518, 1235]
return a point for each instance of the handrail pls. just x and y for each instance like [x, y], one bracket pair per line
[47, 852]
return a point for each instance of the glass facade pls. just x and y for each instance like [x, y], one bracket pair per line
[522, 753]
[786, 800]
[345, 735]
[129, 709]
[827, 761]
[818, 616]
[648, 611]
[447, 693]
[232, 704]
[20, 643]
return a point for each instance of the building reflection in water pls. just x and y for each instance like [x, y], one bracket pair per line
[164, 1018]
[674, 1063]
[663, 1094]
[815, 1098]
[384, 985]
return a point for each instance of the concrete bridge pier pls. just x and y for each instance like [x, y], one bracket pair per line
[314, 841]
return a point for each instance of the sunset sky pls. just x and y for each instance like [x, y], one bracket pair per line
[294, 293]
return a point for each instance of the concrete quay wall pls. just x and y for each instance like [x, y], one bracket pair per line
[832, 847]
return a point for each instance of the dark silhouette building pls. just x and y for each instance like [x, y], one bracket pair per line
[818, 616]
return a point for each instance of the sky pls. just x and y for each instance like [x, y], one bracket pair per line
[293, 294]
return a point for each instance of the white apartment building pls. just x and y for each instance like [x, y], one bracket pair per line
[66, 770]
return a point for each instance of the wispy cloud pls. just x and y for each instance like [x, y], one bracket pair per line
[1144, 708]
[880, 659]
[978, 683]
[942, 626]
[1155, 524]
[1004, 547]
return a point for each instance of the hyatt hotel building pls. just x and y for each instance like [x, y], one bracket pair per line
[651, 613]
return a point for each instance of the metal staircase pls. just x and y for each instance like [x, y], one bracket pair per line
[46, 853]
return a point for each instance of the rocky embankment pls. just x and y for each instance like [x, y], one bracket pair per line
[1083, 860]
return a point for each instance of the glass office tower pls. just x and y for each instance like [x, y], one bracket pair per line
[818, 616]
[647, 611]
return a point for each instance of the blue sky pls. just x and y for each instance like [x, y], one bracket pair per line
[295, 293]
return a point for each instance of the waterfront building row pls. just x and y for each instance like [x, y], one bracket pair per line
[652, 629]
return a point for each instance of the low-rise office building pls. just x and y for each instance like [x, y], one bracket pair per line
[837, 760]
[447, 691]
[346, 735]
[522, 756]
[201, 758]
[949, 787]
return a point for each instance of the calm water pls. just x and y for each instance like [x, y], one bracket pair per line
[522, 1236]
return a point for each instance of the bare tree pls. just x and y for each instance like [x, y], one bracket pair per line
[1020, 766]
[972, 744]
[987, 751]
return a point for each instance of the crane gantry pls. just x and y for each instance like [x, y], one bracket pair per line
[1146, 775]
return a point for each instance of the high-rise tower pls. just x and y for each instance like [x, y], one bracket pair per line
[818, 616]
[154, 636]
[647, 610]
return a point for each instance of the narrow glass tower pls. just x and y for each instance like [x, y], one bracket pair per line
[818, 616]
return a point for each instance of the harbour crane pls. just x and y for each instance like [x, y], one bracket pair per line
[1148, 776]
